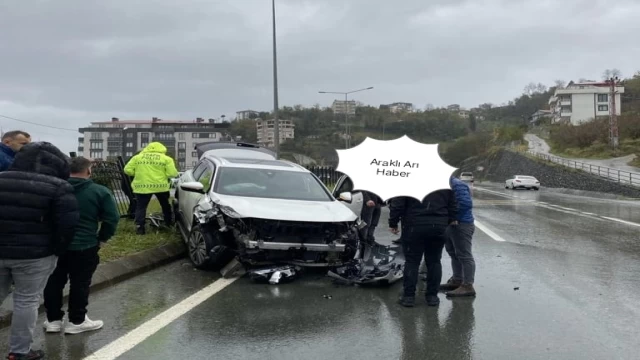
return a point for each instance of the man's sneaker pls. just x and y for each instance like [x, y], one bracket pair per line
[87, 325]
[433, 300]
[32, 355]
[53, 326]
[407, 301]
[450, 285]
[463, 290]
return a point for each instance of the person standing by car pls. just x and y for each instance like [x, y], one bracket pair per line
[38, 217]
[371, 209]
[12, 142]
[458, 244]
[99, 219]
[152, 170]
[424, 224]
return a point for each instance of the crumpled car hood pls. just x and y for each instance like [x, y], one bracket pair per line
[287, 210]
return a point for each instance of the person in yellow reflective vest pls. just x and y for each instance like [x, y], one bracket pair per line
[152, 170]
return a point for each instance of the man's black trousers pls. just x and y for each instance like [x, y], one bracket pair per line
[78, 267]
[142, 202]
[419, 240]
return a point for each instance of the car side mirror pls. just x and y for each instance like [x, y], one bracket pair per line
[346, 197]
[193, 186]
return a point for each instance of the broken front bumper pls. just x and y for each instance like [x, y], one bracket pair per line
[272, 245]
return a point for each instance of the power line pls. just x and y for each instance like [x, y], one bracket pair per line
[33, 123]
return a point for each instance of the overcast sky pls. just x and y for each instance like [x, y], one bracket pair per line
[66, 63]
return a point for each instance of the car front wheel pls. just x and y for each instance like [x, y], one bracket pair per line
[206, 250]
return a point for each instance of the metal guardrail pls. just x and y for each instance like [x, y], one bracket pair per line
[616, 175]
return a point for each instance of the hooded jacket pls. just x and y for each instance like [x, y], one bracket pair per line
[464, 199]
[38, 212]
[96, 204]
[6, 157]
[151, 170]
[437, 208]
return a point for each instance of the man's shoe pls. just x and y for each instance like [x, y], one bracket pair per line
[396, 241]
[407, 301]
[87, 325]
[433, 300]
[32, 355]
[140, 230]
[53, 326]
[462, 290]
[451, 284]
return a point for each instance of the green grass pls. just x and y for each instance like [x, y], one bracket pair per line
[126, 242]
[599, 151]
[635, 162]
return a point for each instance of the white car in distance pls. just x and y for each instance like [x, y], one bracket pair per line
[522, 181]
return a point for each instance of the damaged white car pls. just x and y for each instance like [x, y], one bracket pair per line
[240, 202]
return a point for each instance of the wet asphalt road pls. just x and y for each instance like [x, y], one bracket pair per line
[576, 274]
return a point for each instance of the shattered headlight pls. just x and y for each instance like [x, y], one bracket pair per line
[228, 210]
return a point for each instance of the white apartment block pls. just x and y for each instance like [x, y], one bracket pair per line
[342, 107]
[103, 140]
[246, 114]
[266, 131]
[582, 102]
[398, 107]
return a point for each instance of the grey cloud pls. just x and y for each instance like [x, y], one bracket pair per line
[205, 58]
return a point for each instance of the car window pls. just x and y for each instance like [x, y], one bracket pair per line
[269, 183]
[346, 186]
[205, 177]
[200, 167]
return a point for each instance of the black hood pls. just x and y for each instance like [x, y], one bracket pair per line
[42, 158]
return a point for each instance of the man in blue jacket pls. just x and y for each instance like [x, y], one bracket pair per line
[12, 142]
[458, 244]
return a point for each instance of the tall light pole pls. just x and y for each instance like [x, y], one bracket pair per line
[276, 123]
[346, 111]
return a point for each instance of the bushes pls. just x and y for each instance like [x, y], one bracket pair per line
[569, 136]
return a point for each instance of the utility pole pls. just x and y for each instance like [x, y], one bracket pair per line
[276, 123]
[613, 118]
[346, 111]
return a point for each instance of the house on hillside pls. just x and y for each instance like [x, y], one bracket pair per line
[535, 118]
[583, 101]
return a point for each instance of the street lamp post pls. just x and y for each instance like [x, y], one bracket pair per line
[122, 142]
[276, 123]
[346, 112]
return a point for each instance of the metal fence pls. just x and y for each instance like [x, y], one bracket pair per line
[328, 175]
[616, 175]
[111, 174]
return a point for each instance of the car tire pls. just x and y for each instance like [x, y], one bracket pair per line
[536, 189]
[206, 249]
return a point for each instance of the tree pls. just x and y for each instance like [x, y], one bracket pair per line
[246, 129]
[609, 73]
[560, 84]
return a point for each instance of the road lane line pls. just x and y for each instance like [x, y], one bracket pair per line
[142, 332]
[566, 209]
[487, 231]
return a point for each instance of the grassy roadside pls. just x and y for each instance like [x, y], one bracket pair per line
[599, 151]
[126, 242]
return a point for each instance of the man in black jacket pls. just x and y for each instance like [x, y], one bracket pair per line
[424, 225]
[38, 216]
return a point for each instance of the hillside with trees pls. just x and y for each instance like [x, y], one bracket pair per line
[319, 131]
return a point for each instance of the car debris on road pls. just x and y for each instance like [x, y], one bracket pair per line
[378, 265]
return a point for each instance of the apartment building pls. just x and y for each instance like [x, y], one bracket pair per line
[266, 131]
[398, 107]
[246, 114]
[106, 140]
[582, 102]
[342, 107]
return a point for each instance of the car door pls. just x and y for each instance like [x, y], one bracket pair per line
[345, 184]
[203, 172]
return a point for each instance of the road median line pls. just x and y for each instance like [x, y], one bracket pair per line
[144, 331]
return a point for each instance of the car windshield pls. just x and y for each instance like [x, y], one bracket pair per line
[269, 183]
[526, 177]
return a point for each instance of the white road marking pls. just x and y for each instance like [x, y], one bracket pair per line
[142, 332]
[622, 221]
[565, 209]
[487, 231]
